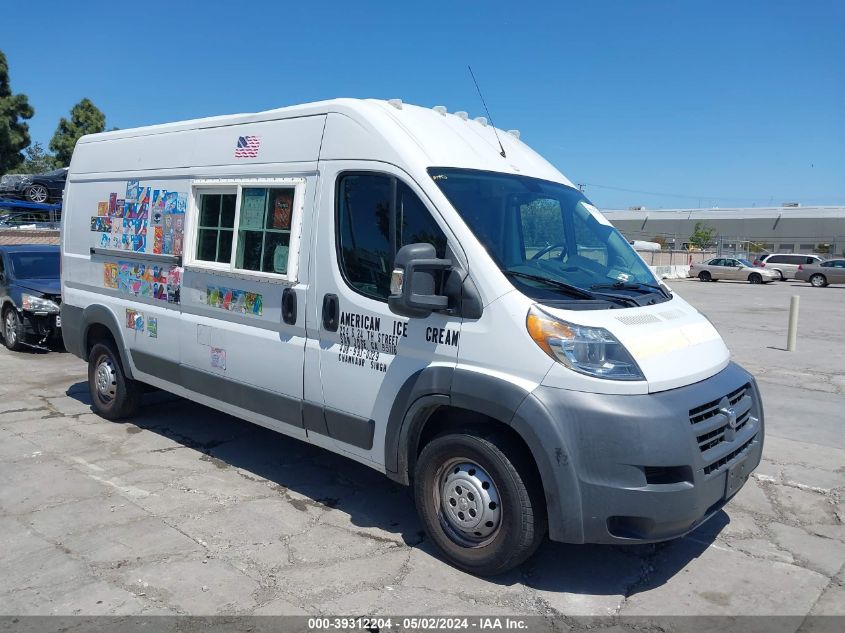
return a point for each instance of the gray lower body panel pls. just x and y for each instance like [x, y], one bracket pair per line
[648, 467]
[315, 418]
[73, 329]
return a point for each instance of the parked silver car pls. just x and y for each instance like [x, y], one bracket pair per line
[732, 268]
[820, 275]
[786, 264]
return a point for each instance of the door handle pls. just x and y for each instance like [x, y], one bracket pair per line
[331, 312]
[289, 306]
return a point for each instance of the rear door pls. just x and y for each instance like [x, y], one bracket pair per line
[717, 269]
[366, 353]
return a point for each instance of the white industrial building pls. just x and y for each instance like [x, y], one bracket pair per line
[786, 229]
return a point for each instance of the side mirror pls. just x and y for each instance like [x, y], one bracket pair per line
[414, 281]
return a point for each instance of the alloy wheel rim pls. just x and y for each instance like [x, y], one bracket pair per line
[469, 503]
[38, 193]
[11, 330]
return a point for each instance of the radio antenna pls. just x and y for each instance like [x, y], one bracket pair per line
[487, 110]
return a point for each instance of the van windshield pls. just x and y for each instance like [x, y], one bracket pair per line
[547, 237]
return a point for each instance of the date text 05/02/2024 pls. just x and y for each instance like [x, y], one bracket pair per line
[429, 623]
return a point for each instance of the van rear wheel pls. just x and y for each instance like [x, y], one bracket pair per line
[113, 395]
[480, 503]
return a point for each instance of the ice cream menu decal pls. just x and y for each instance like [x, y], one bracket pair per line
[143, 220]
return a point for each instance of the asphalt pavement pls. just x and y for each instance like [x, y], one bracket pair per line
[185, 510]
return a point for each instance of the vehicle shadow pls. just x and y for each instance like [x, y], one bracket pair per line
[372, 500]
[37, 350]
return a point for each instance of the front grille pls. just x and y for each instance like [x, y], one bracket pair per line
[715, 437]
[707, 411]
[727, 458]
[710, 422]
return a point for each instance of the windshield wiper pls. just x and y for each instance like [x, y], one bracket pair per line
[633, 286]
[575, 290]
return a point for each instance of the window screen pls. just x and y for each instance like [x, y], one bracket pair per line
[216, 227]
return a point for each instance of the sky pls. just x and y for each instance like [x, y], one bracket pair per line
[661, 104]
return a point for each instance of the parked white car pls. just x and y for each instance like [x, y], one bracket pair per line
[786, 264]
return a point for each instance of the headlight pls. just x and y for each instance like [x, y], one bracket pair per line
[38, 304]
[589, 350]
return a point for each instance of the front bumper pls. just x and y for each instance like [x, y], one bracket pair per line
[38, 328]
[653, 467]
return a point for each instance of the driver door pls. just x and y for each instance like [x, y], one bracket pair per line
[365, 352]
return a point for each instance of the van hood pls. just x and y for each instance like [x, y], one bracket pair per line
[673, 344]
[40, 286]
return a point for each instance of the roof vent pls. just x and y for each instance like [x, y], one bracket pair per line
[396, 103]
[461, 115]
[791, 205]
[514, 133]
[440, 110]
[480, 119]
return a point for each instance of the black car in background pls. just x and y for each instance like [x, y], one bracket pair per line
[30, 294]
[41, 188]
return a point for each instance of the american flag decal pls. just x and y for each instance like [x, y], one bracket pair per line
[247, 147]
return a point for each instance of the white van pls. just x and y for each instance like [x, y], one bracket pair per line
[388, 282]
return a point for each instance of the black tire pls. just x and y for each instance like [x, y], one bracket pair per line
[520, 521]
[780, 275]
[37, 192]
[755, 278]
[13, 333]
[818, 280]
[705, 276]
[116, 396]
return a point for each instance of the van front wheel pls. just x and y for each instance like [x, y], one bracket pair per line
[113, 395]
[479, 502]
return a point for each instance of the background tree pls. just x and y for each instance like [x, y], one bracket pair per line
[36, 160]
[702, 235]
[14, 133]
[85, 118]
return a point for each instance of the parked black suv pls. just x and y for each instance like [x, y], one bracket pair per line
[30, 294]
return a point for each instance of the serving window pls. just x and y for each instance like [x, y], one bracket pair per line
[248, 227]
[264, 229]
[216, 227]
